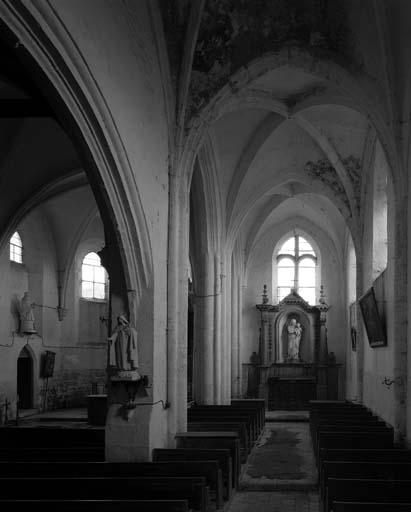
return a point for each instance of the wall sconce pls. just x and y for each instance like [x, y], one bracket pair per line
[389, 382]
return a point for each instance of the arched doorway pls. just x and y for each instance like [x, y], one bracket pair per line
[25, 379]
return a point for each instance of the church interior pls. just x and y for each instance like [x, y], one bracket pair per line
[204, 236]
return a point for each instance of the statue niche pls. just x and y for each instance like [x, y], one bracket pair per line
[294, 338]
[294, 322]
[294, 366]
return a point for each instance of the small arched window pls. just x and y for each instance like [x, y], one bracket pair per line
[93, 278]
[16, 248]
[296, 268]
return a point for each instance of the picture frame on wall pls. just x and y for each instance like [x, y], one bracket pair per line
[372, 320]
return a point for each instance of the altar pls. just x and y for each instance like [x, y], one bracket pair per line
[293, 365]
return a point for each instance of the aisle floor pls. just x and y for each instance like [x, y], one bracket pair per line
[280, 474]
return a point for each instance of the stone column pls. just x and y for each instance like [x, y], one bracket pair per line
[217, 332]
[128, 434]
[234, 336]
[205, 333]
[226, 332]
[240, 293]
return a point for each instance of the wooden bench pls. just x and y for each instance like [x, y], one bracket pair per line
[362, 454]
[366, 454]
[381, 491]
[351, 417]
[206, 426]
[363, 470]
[349, 439]
[353, 429]
[201, 416]
[344, 506]
[192, 489]
[229, 440]
[210, 470]
[73, 453]
[344, 424]
[253, 403]
[222, 456]
[20, 437]
[329, 404]
[229, 411]
[96, 505]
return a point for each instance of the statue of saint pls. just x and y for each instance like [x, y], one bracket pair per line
[26, 315]
[294, 330]
[123, 345]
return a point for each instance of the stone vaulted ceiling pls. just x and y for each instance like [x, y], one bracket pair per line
[285, 132]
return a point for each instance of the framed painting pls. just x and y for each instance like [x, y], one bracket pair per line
[372, 320]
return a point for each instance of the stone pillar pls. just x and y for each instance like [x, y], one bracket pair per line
[217, 332]
[234, 336]
[240, 294]
[128, 436]
[205, 339]
[177, 308]
[360, 332]
[226, 332]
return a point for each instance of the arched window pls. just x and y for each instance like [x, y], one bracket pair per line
[380, 212]
[16, 248]
[93, 278]
[296, 268]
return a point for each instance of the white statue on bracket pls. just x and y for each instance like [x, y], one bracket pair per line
[26, 315]
[294, 330]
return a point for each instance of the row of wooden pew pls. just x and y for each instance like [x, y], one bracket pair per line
[359, 466]
[64, 469]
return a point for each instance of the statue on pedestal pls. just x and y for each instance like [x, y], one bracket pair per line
[26, 315]
[294, 330]
[123, 346]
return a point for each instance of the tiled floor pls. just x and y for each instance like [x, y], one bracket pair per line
[280, 475]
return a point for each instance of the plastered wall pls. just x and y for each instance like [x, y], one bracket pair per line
[79, 345]
[379, 362]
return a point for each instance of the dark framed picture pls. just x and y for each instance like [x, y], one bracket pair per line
[372, 320]
[47, 367]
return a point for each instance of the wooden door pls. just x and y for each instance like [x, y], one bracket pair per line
[25, 382]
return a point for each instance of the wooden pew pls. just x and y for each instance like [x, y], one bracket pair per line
[353, 429]
[363, 470]
[229, 410]
[240, 428]
[344, 506]
[217, 417]
[381, 491]
[192, 489]
[96, 505]
[229, 440]
[366, 454]
[345, 424]
[328, 404]
[46, 453]
[210, 470]
[362, 454]
[356, 417]
[349, 439]
[253, 403]
[20, 437]
[222, 456]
